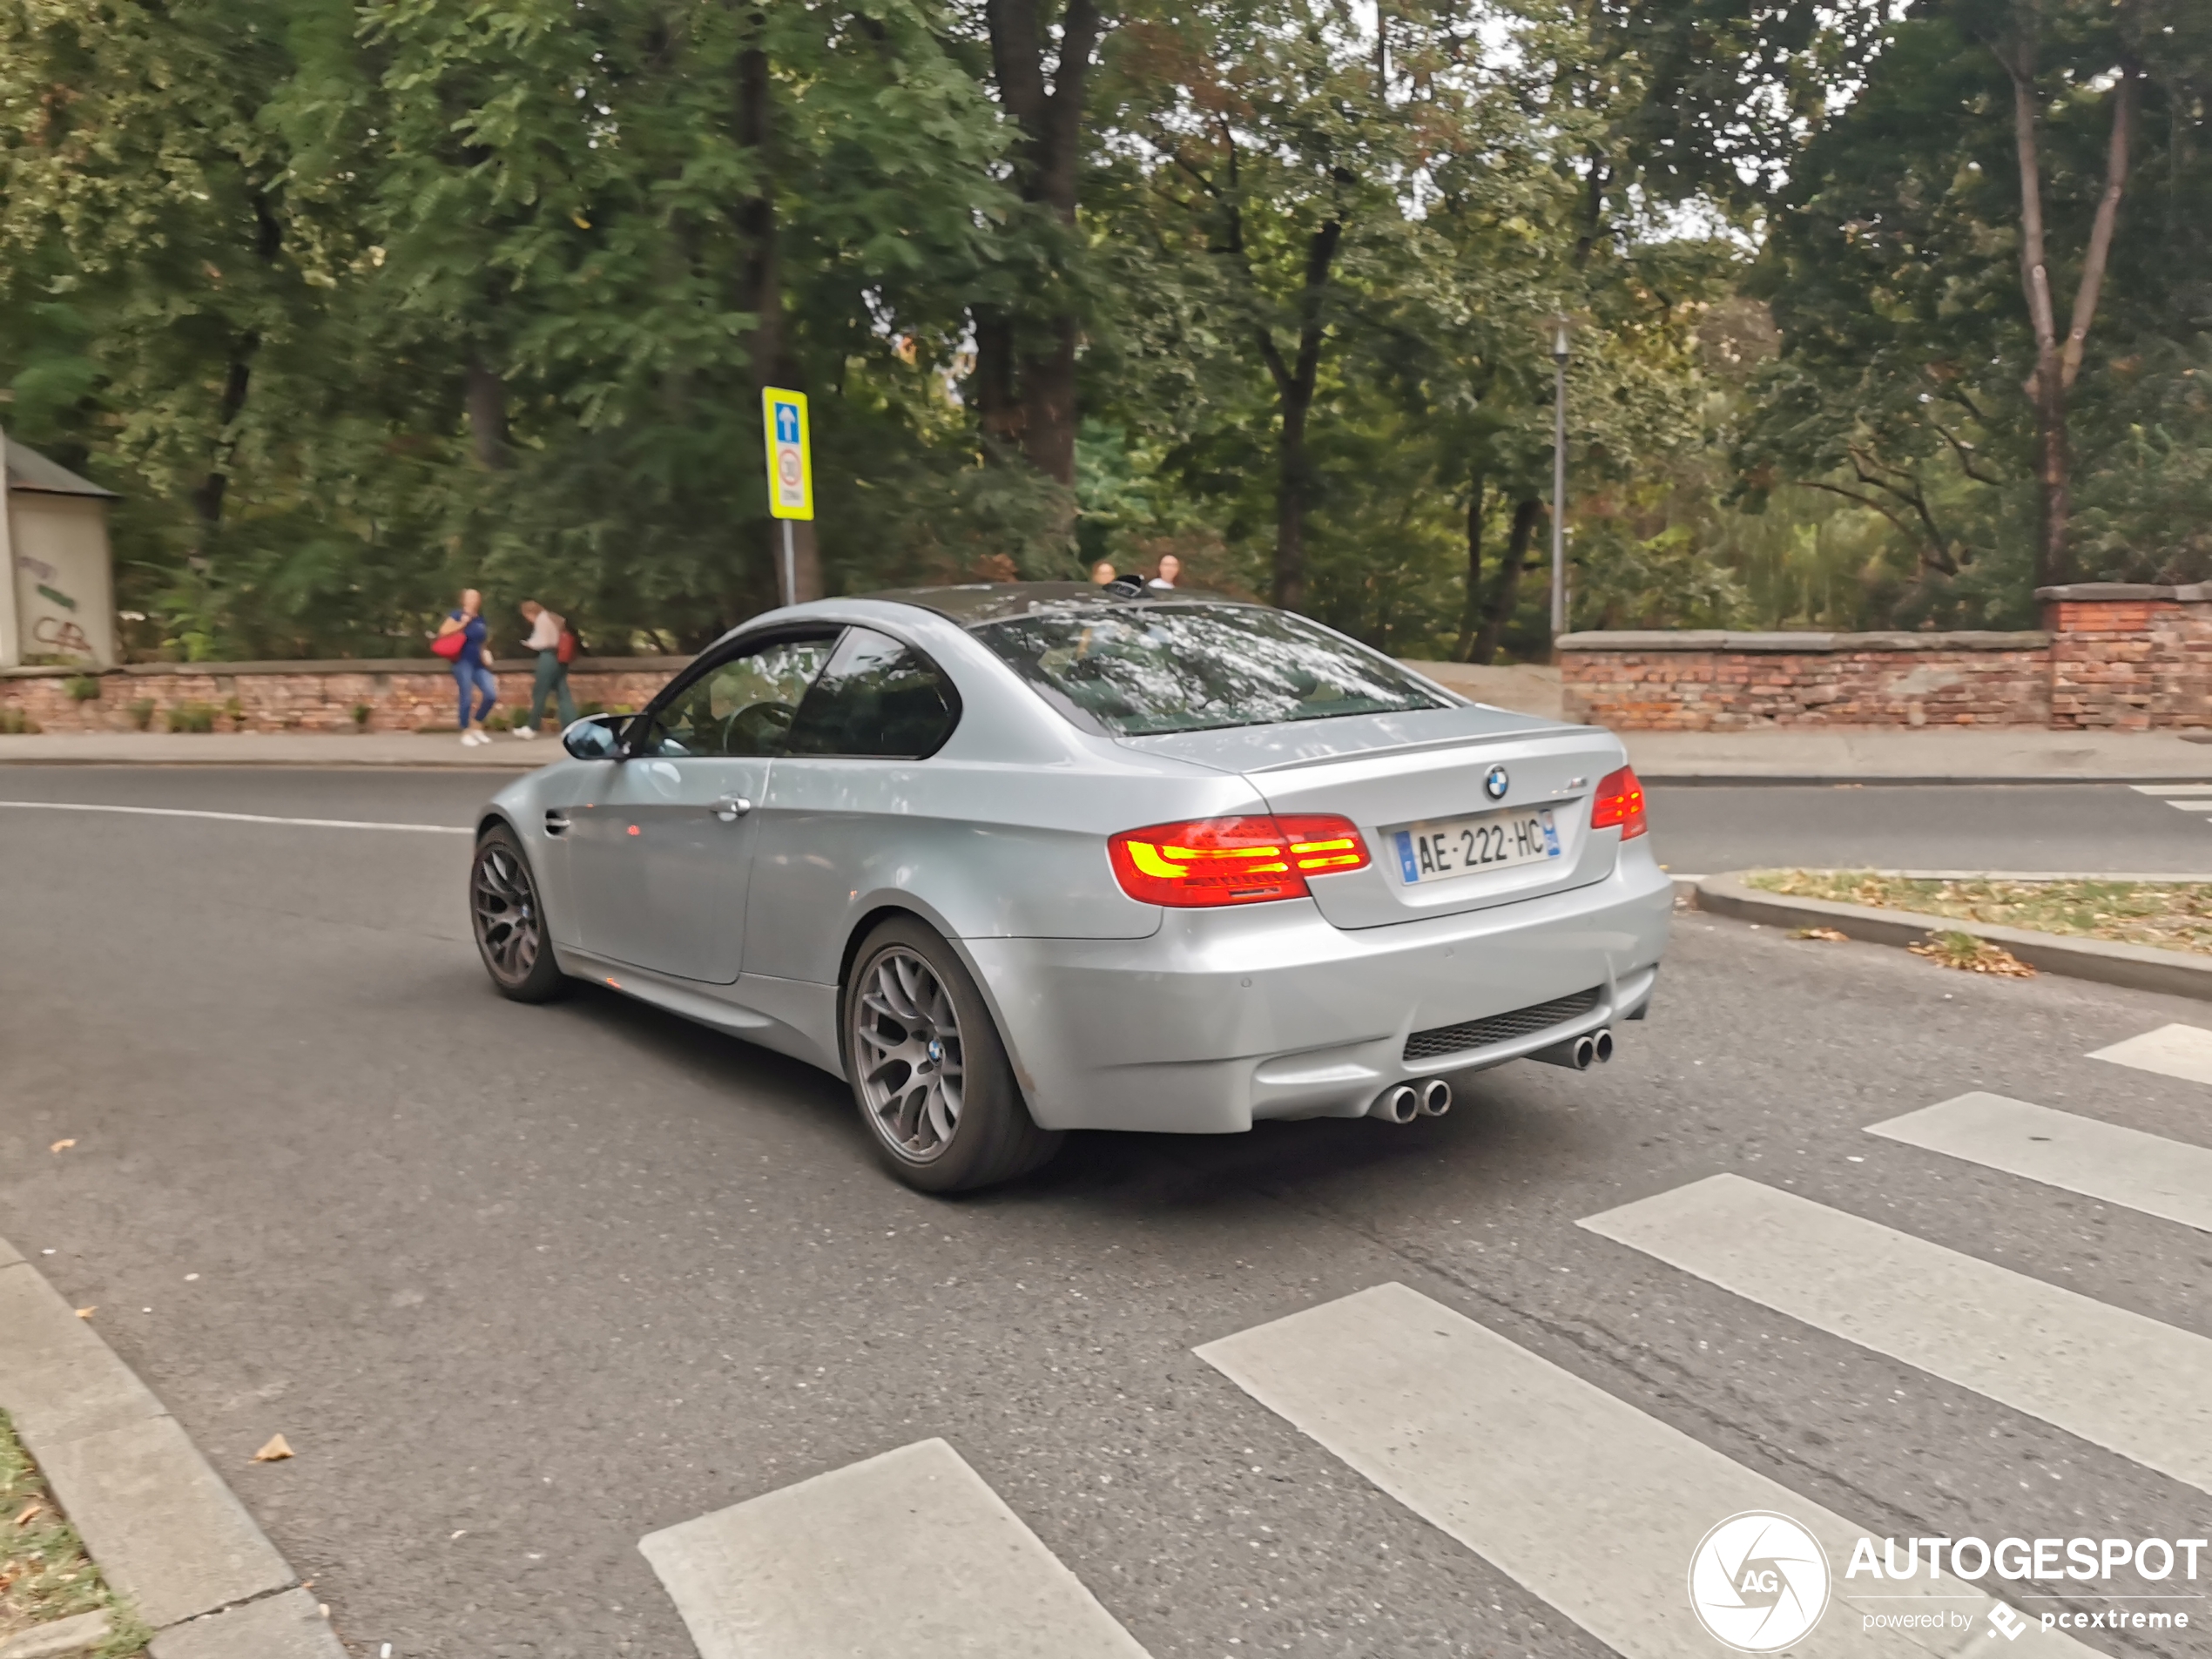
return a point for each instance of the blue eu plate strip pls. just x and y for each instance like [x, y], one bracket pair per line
[1406, 864]
[1551, 836]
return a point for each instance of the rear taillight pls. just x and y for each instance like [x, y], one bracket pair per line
[1619, 804]
[1233, 861]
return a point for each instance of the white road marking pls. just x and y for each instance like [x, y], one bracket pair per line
[232, 818]
[2169, 1179]
[1582, 1500]
[908, 1555]
[2183, 1051]
[2116, 1378]
[2171, 789]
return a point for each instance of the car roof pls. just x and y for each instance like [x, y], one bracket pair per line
[971, 604]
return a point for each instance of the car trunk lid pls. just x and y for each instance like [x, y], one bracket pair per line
[1389, 773]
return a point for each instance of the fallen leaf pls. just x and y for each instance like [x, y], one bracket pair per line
[29, 1510]
[275, 1452]
[62, 1146]
[1828, 933]
[87, 1313]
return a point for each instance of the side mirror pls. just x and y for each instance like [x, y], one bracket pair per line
[595, 736]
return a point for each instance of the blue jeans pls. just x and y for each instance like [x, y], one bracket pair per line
[469, 679]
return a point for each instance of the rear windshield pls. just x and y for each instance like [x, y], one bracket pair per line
[1138, 670]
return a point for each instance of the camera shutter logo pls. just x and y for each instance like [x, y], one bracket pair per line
[1495, 782]
[1758, 1582]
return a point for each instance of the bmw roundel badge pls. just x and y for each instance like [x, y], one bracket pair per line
[1495, 782]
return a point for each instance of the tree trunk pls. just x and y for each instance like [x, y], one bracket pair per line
[1471, 614]
[1294, 384]
[770, 349]
[1526, 513]
[487, 399]
[2057, 363]
[207, 500]
[1026, 367]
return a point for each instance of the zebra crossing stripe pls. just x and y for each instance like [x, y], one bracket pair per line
[2183, 1051]
[2169, 1179]
[908, 1555]
[1581, 1499]
[2114, 1377]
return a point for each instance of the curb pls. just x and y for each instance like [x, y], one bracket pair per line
[156, 1518]
[2136, 967]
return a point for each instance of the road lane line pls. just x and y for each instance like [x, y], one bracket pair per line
[1580, 1498]
[2171, 789]
[2116, 1378]
[2183, 1051]
[232, 817]
[2169, 1179]
[909, 1554]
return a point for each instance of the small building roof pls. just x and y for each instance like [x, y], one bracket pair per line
[28, 469]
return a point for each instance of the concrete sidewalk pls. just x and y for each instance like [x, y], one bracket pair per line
[1797, 754]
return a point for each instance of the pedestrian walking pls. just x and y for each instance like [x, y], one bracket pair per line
[462, 640]
[1102, 572]
[1170, 568]
[550, 638]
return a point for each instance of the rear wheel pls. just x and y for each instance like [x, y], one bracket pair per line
[930, 1072]
[509, 921]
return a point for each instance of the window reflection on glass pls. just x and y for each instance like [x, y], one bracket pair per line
[742, 707]
[1138, 670]
[876, 697]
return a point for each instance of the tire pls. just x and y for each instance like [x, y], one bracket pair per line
[507, 920]
[930, 1072]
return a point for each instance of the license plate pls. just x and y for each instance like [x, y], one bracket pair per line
[1444, 847]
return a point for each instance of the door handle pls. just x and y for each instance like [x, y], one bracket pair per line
[556, 823]
[731, 808]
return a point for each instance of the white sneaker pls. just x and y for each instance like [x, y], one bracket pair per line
[525, 731]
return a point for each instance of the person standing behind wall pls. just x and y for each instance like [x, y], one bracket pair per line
[555, 645]
[471, 660]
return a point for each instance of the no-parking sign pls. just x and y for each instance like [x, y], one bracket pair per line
[791, 465]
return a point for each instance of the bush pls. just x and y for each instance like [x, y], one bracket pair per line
[361, 711]
[14, 723]
[141, 712]
[82, 687]
[191, 717]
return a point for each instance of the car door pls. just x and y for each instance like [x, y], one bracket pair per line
[835, 813]
[661, 859]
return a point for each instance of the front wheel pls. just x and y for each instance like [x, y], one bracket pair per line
[930, 1072]
[509, 920]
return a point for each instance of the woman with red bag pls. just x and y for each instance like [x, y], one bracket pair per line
[461, 641]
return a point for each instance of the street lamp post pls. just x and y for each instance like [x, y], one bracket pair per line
[1559, 478]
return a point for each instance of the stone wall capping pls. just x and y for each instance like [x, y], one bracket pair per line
[2117, 592]
[355, 665]
[1714, 640]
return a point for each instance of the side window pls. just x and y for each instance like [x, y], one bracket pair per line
[877, 696]
[743, 706]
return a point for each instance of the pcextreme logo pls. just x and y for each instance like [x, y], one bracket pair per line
[1758, 1582]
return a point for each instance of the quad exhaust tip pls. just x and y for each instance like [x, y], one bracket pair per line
[1579, 1054]
[1436, 1098]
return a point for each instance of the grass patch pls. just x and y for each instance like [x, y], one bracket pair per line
[2172, 915]
[44, 1573]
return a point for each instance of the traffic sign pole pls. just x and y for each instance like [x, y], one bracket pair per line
[791, 470]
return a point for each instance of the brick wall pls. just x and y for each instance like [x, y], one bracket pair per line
[1713, 682]
[2111, 655]
[402, 695]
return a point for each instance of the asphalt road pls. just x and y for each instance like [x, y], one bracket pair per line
[523, 1284]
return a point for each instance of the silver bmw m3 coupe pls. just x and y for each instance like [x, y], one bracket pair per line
[1018, 859]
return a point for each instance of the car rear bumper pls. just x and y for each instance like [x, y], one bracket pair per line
[1224, 1018]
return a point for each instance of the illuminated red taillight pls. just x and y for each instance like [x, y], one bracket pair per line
[1619, 804]
[1233, 861]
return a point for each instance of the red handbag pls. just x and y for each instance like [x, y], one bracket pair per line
[564, 653]
[450, 646]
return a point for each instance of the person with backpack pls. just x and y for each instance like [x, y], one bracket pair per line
[461, 640]
[556, 647]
